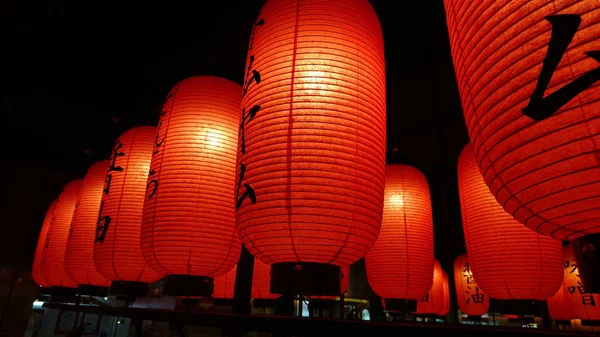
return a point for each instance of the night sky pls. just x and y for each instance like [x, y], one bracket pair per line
[77, 74]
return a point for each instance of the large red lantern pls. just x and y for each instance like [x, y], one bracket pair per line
[117, 251]
[53, 257]
[36, 271]
[188, 228]
[583, 305]
[311, 155]
[261, 281]
[224, 285]
[433, 302]
[508, 260]
[528, 76]
[79, 254]
[559, 307]
[471, 300]
[400, 264]
[446, 295]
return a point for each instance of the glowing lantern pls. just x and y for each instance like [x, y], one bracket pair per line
[311, 155]
[117, 251]
[471, 300]
[79, 255]
[400, 264]
[446, 294]
[559, 307]
[433, 301]
[36, 272]
[261, 281]
[508, 260]
[528, 76]
[190, 191]
[583, 305]
[224, 285]
[53, 256]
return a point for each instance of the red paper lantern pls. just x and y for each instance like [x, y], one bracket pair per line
[53, 257]
[471, 300]
[559, 307]
[446, 295]
[117, 251]
[400, 264]
[528, 76]
[585, 306]
[508, 260]
[311, 156]
[224, 285]
[188, 225]
[433, 301]
[79, 254]
[261, 281]
[36, 272]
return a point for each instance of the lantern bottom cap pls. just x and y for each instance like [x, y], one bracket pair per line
[128, 289]
[517, 307]
[587, 254]
[263, 303]
[305, 278]
[63, 292]
[188, 285]
[398, 304]
[92, 290]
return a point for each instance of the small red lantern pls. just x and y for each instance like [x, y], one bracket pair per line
[53, 257]
[527, 71]
[224, 285]
[191, 186]
[583, 305]
[79, 254]
[117, 251]
[471, 300]
[36, 272]
[400, 264]
[311, 155]
[261, 281]
[508, 260]
[433, 302]
[559, 307]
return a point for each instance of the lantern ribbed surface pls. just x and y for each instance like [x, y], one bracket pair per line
[540, 163]
[225, 285]
[559, 308]
[261, 281]
[311, 155]
[471, 299]
[446, 296]
[509, 261]
[188, 224]
[433, 301]
[36, 272]
[117, 251]
[585, 306]
[79, 255]
[400, 264]
[53, 257]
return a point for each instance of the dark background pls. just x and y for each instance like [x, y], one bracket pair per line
[78, 74]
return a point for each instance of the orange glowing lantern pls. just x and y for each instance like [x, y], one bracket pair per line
[471, 300]
[433, 302]
[527, 71]
[400, 264]
[311, 155]
[261, 281]
[36, 272]
[53, 257]
[117, 251]
[79, 255]
[191, 186]
[584, 306]
[559, 307]
[224, 285]
[446, 294]
[508, 260]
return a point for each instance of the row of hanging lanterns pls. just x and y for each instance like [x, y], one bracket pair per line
[292, 165]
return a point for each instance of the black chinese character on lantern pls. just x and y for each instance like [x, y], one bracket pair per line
[477, 297]
[564, 27]
[588, 299]
[103, 221]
